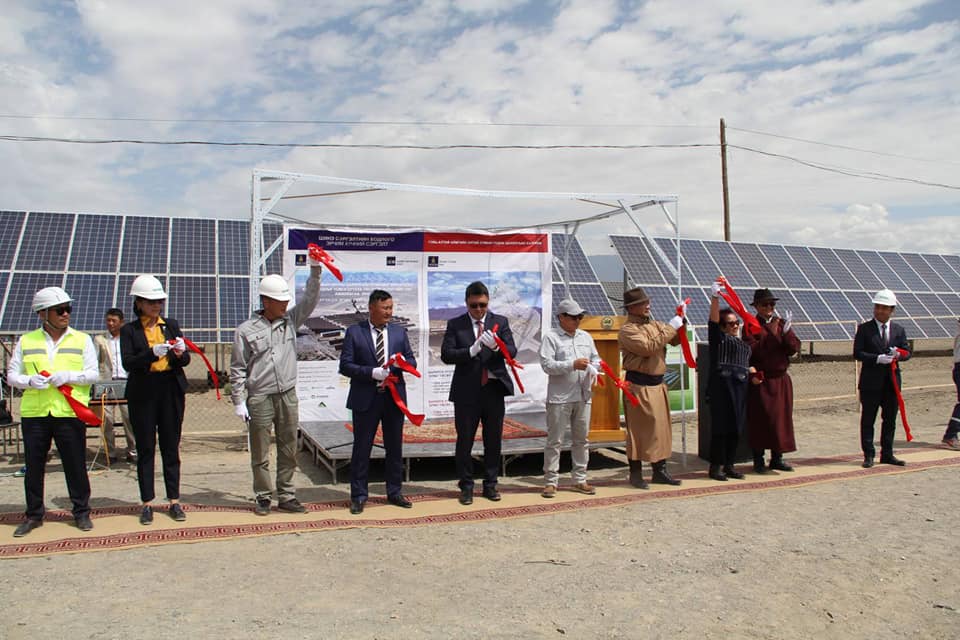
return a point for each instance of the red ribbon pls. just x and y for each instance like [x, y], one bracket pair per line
[322, 256]
[684, 340]
[623, 385]
[750, 323]
[197, 350]
[514, 365]
[896, 388]
[402, 363]
[391, 383]
[82, 411]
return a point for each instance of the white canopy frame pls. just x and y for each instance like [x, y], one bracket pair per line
[615, 204]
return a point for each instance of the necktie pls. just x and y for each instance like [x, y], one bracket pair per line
[484, 376]
[381, 351]
[883, 334]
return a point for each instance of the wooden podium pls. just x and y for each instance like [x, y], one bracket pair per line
[605, 414]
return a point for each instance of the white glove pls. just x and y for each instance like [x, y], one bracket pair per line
[884, 359]
[676, 322]
[380, 374]
[475, 348]
[683, 309]
[241, 411]
[179, 346]
[787, 320]
[38, 381]
[892, 351]
[715, 289]
[161, 349]
[592, 374]
[313, 262]
[60, 378]
[488, 340]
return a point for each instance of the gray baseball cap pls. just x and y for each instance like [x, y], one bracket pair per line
[569, 307]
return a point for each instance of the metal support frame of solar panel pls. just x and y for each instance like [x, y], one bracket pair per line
[831, 289]
[203, 263]
[584, 286]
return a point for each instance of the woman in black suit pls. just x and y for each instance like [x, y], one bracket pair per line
[154, 355]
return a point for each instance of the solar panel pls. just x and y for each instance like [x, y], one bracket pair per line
[934, 304]
[833, 266]
[940, 267]
[92, 295]
[192, 250]
[887, 277]
[910, 305]
[272, 231]
[785, 267]
[577, 267]
[763, 273]
[811, 267]
[46, 240]
[11, 223]
[145, 245]
[923, 269]
[591, 297]
[96, 243]
[704, 269]
[234, 304]
[730, 265]
[17, 315]
[906, 272]
[669, 248]
[868, 280]
[842, 308]
[233, 247]
[637, 262]
[952, 300]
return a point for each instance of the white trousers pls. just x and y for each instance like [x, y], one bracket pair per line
[560, 417]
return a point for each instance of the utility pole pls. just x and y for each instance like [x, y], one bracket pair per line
[723, 178]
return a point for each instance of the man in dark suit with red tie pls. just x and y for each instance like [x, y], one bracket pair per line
[480, 383]
[367, 348]
[876, 347]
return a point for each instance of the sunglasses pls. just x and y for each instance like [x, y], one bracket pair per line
[567, 315]
[60, 311]
[478, 305]
[732, 323]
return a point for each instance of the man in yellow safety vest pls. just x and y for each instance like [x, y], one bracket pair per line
[43, 361]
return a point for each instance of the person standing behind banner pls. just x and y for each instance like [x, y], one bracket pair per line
[875, 346]
[367, 347]
[569, 357]
[950, 440]
[643, 346]
[770, 394]
[263, 385]
[480, 383]
[726, 387]
[111, 370]
[43, 360]
[156, 388]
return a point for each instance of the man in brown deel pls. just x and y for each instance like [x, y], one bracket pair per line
[643, 345]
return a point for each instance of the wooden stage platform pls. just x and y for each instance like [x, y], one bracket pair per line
[331, 444]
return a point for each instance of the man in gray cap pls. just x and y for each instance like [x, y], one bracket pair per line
[643, 345]
[570, 359]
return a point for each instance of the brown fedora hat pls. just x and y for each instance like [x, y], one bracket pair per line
[634, 296]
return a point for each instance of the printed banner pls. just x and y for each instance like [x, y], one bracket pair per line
[426, 273]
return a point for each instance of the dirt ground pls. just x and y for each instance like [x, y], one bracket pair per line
[865, 558]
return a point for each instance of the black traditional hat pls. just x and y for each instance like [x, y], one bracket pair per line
[761, 295]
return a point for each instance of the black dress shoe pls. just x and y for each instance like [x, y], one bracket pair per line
[867, 462]
[356, 507]
[399, 501]
[466, 496]
[84, 523]
[146, 516]
[731, 472]
[892, 460]
[176, 512]
[717, 474]
[780, 465]
[491, 494]
[26, 527]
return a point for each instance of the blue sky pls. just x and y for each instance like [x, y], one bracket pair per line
[874, 75]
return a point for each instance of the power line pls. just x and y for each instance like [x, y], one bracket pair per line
[840, 146]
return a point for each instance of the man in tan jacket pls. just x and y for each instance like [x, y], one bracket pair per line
[643, 345]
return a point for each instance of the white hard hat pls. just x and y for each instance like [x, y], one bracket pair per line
[49, 297]
[885, 297]
[275, 287]
[147, 287]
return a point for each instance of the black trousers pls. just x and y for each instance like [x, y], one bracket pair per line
[385, 412]
[489, 411]
[70, 436]
[158, 418]
[886, 402]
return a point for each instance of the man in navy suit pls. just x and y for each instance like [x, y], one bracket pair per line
[875, 346]
[480, 382]
[367, 347]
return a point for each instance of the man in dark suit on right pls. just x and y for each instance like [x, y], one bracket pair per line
[480, 383]
[875, 346]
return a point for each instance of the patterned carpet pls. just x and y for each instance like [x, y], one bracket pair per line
[118, 527]
[445, 431]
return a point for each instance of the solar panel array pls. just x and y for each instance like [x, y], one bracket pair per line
[828, 290]
[203, 264]
[584, 287]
